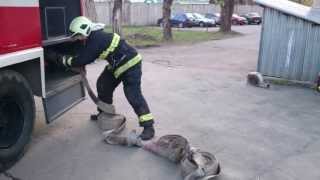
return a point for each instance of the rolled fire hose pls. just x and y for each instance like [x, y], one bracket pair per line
[200, 165]
[256, 79]
[132, 139]
[105, 108]
[195, 164]
[172, 147]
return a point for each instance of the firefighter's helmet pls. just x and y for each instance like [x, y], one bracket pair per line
[81, 25]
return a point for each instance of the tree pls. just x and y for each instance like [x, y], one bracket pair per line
[90, 10]
[166, 15]
[227, 8]
[117, 17]
[304, 2]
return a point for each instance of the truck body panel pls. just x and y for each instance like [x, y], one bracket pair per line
[28, 29]
[20, 25]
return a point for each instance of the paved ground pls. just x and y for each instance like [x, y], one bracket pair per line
[200, 92]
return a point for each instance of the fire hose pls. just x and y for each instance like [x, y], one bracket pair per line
[195, 164]
[105, 108]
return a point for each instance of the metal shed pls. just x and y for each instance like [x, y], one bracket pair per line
[290, 41]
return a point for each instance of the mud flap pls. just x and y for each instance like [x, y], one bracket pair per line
[62, 96]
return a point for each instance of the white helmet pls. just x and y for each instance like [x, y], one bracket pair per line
[81, 25]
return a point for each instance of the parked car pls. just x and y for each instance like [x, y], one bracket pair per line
[202, 21]
[180, 20]
[215, 17]
[238, 20]
[253, 18]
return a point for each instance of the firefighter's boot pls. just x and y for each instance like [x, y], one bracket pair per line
[147, 133]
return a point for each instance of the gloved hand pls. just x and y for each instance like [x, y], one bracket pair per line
[66, 61]
[59, 60]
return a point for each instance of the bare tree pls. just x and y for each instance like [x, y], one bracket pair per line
[117, 17]
[166, 11]
[227, 8]
[304, 2]
[90, 9]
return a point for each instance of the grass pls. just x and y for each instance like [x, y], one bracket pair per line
[141, 36]
[285, 82]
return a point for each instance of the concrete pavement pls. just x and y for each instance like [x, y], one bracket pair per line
[200, 92]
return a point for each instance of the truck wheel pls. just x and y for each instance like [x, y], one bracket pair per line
[17, 112]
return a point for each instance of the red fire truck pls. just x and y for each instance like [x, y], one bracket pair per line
[28, 29]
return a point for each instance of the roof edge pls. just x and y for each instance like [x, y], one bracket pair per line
[292, 8]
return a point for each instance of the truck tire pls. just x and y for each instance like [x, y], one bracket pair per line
[17, 112]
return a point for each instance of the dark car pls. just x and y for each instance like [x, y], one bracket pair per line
[215, 17]
[180, 20]
[253, 18]
[238, 20]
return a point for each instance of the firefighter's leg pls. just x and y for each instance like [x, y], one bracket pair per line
[106, 84]
[132, 89]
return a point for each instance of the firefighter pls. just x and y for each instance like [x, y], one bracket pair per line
[124, 65]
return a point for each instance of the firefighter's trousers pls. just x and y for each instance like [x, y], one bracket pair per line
[131, 80]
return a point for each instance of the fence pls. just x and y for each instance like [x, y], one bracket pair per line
[147, 14]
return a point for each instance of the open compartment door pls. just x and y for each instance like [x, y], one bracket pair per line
[64, 90]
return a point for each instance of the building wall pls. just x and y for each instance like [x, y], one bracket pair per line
[289, 47]
[147, 14]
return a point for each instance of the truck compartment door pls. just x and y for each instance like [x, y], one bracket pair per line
[64, 90]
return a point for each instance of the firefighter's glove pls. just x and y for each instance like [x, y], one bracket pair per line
[66, 61]
[59, 60]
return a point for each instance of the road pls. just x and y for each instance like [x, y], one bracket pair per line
[198, 91]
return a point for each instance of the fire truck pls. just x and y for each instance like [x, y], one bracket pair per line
[28, 29]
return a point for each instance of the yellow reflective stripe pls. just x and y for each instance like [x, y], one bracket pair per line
[146, 117]
[114, 44]
[127, 65]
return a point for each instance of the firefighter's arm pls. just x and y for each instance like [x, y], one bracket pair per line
[84, 55]
[76, 61]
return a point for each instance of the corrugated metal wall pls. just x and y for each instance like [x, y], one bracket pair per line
[290, 47]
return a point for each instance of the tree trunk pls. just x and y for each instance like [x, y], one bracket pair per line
[166, 11]
[227, 8]
[117, 17]
[90, 10]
